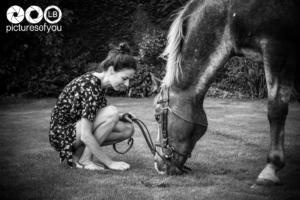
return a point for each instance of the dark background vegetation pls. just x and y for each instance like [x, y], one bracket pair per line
[38, 64]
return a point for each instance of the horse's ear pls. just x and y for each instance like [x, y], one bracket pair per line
[111, 46]
[156, 82]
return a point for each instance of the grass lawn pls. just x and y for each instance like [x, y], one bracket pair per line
[225, 162]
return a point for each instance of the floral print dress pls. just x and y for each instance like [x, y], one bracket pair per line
[81, 98]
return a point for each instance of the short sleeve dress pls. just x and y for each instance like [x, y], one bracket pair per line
[81, 98]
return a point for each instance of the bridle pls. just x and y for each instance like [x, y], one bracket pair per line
[162, 119]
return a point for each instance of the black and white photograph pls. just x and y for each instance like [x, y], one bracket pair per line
[150, 99]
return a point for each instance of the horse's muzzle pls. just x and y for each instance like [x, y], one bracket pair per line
[165, 168]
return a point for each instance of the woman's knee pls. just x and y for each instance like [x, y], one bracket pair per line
[112, 110]
[112, 114]
[107, 114]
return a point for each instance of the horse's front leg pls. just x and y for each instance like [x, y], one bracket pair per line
[277, 112]
[279, 78]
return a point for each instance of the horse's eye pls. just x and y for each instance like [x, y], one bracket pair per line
[157, 118]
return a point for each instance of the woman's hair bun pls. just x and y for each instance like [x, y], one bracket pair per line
[124, 48]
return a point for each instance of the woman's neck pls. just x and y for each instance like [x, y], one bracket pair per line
[104, 81]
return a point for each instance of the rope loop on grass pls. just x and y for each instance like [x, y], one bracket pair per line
[130, 144]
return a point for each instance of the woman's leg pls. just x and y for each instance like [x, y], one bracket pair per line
[82, 156]
[108, 130]
[107, 119]
[122, 131]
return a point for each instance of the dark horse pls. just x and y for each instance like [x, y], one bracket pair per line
[202, 38]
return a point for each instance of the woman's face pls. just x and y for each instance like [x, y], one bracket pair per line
[120, 80]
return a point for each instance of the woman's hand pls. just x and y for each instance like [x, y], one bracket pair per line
[119, 165]
[127, 117]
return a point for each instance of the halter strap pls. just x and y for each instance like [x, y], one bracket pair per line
[164, 132]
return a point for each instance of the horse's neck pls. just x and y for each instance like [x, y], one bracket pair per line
[186, 80]
[187, 96]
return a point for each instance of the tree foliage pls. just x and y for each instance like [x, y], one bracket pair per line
[243, 77]
[41, 64]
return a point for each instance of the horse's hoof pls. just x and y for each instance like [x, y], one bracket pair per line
[268, 176]
[267, 182]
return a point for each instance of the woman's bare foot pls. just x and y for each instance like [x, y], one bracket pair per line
[119, 165]
[89, 166]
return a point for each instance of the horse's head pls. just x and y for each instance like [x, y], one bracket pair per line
[181, 122]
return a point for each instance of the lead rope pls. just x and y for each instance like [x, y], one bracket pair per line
[130, 142]
[127, 117]
[148, 139]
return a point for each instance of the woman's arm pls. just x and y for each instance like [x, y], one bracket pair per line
[90, 141]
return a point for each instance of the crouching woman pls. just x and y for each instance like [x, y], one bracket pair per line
[81, 122]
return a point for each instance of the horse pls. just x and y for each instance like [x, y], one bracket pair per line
[203, 37]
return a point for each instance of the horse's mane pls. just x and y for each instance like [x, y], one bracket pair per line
[173, 50]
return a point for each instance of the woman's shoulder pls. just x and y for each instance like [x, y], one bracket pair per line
[86, 80]
[82, 83]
